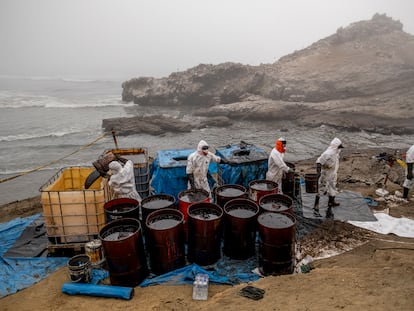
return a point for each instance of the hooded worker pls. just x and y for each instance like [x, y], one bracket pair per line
[122, 180]
[197, 166]
[409, 181]
[327, 169]
[276, 165]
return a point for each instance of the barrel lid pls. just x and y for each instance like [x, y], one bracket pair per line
[276, 220]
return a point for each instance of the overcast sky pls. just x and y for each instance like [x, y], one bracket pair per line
[123, 39]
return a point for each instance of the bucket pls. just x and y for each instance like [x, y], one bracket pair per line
[204, 233]
[288, 181]
[226, 193]
[94, 250]
[121, 208]
[276, 202]
[276, 243]
[311, 183]
[155, 202]
[165, 240]
[260, 187]
[80, 268]
[124, 250]
[102, 164]
[188, 197]
[240, 216]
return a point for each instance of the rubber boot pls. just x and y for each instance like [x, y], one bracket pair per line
[329, 213]
[405, 194]
[331, 202]
[316, 207]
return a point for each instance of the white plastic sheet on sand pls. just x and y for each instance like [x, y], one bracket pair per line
[386, 224]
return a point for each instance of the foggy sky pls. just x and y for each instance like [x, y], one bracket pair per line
[122, 39]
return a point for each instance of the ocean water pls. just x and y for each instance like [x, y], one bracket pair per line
[49, 124]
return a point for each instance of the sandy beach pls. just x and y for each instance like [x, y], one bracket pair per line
[371, 271]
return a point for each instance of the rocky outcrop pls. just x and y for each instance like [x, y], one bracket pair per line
[157, 125]
[366, 68]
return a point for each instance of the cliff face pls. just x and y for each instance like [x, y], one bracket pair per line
[366, 68]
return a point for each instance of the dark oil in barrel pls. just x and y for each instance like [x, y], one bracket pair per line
[163, 224]
[206, 214]
[193, 197]
[262, 186]
[157, 204]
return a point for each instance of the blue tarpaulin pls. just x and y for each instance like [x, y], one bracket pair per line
[248, 163]
[168, 172]
[19, 273]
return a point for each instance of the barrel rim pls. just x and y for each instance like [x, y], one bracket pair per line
[235, 186]
[199, 205]
[155, 196]
[281, 195]
[182, 193]
[163, 211]
[293, 218]
[109, 205]
[263, 181]
[114, 223]
[241, 200]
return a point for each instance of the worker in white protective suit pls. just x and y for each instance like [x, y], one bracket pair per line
[327, 169]
[122, 180]
[276, 165]
[197, 166]
[409, 181]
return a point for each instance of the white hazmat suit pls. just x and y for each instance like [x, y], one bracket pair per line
[276, 165]
[329, 160]
[409, 180]
[327, 169]
[122, 180]
[197, 165]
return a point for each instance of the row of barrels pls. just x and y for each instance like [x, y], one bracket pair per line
[230, 226]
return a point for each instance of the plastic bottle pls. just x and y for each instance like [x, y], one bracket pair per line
[200, 287]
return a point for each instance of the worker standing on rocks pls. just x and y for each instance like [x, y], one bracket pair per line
[327, 166]
[409, 181]
[276, 165]
[197, 166]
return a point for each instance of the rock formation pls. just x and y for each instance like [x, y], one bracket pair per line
[361, 77]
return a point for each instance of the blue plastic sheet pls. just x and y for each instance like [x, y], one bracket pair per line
[247, 163]
[186, 275]
[108, 291]
[19, 273]
[170, 165]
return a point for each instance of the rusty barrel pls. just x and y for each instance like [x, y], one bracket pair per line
[276, 202]
[260, 187]
[153, 203]
[240, 216]
[121, 208]
[229, 192]
[288, 181]
[276, 243]
[124, 251]
[311, 183]
[188, 197]
[204, 233]
[165, 240]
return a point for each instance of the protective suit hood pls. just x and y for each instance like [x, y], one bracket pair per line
[115, 166]
[336, 143]
[200, 145]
